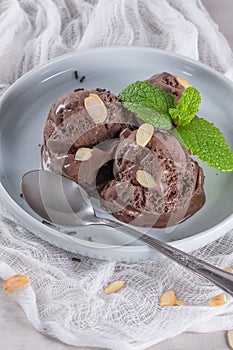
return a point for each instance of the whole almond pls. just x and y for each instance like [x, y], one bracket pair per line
[145, 179]
[83, 154]
[114, 287]
[230, 338]
[95, 108]
[218, 300]
[144, 134]
[183, 82]
[168, 299]
[15, 282]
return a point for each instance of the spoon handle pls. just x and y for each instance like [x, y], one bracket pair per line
[217, 276]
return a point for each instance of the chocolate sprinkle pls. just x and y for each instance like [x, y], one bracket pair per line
[71, 233]
[78, 89]
[47, 223]
[76, 259]
[76, 74]
[100, 90]
[82, 78]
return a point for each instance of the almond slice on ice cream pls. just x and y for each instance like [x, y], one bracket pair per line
[145, 179]
[144, 134]
[183, 82]
[218, 300]
[95, 108]
[15, 282]
[114, 287]
[168, 299]
[83, 154]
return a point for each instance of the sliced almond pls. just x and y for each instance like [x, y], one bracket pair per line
[180, 303]
[144, 134]
[114, 287]
[15, 282]
[83, 154]
[168, 299]
[228, 269]
[230, 338]
[95, 108]
[218, 300]
[183, 82]
[145, 179]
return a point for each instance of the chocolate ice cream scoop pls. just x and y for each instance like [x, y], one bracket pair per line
[177, 182]
[71, 125]
[169, 83]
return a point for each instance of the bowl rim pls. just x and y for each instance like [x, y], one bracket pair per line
[25, 217]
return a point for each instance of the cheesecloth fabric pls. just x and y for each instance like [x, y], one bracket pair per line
[65, 298]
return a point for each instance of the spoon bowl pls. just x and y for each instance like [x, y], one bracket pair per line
[57, 199]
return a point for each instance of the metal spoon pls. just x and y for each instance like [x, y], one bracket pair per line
[63, 202]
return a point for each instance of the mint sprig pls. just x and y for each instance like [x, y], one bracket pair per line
[158, 108]
[186, 107]
[149, 102]
[207, 142]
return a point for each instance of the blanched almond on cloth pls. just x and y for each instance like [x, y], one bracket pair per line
[83, 154]
[218, 300]
[168, 299]
[15, 282]
[95, 108]
[183, 82]
[228, 269]
[230, 338]
[144, 134]
[114, 287]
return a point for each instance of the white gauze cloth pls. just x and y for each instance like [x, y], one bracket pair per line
[65, 298]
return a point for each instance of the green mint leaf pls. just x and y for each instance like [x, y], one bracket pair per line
[187, 106]
[178, 136]
[207, 142]
[149, 102]
[149, 115]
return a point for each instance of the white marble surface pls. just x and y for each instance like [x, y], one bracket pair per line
[17, 333]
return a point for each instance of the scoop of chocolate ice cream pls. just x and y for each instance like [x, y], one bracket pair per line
[178, 192]
[168, 82]
[70, 127]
